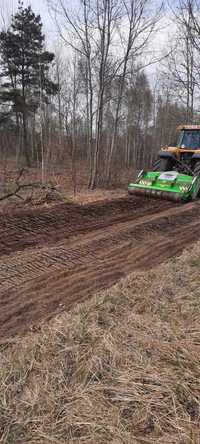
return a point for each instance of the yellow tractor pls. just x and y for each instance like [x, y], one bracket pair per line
[185, 157]
[176, 173]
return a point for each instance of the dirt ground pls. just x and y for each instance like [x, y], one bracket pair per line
[52, 258]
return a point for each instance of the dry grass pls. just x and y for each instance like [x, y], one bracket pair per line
[121, 368]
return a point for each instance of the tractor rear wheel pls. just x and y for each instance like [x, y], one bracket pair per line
[197, 173]
[163, 164]
[197, 169]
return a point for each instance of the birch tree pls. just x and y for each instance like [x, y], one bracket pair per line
[182, 67]
[140, 26]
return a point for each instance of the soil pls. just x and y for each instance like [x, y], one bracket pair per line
[53, 258]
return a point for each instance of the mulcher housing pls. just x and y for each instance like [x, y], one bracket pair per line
[167, 185]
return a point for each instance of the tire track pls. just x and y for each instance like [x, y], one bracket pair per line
[36, 228]
[35, 284]
[20, 268]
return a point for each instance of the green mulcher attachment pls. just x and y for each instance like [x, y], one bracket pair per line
[168, 185]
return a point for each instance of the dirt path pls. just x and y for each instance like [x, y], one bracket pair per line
[32, 228]
[51, 259]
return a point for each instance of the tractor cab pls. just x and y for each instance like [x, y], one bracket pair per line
[185, 157]
[189, 138]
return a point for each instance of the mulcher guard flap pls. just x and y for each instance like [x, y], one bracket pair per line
[168, 185]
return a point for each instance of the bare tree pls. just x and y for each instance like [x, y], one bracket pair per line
[140, 28]
[182, 64]
[77, 33]
[107, 15]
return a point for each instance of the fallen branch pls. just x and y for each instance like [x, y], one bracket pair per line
[19, 187]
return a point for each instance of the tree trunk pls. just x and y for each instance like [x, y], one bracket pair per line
[97, 147]
[25, 140]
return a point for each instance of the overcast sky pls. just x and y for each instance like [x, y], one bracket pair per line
[49, 28]
[39, 7]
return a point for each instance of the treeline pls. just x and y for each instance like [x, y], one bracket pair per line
[92, 99]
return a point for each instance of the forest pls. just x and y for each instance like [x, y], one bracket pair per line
[106, 93]
[99, 261]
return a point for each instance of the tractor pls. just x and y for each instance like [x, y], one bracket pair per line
[175, 174]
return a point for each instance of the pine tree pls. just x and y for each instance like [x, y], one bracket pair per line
[24, 69]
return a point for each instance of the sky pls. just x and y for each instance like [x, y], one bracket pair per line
[39, 7]
[49, 28]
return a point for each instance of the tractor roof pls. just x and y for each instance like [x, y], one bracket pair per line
[188, 127]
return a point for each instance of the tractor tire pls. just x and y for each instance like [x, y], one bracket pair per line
[197, 168]
[197, 172]
[163, 164]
